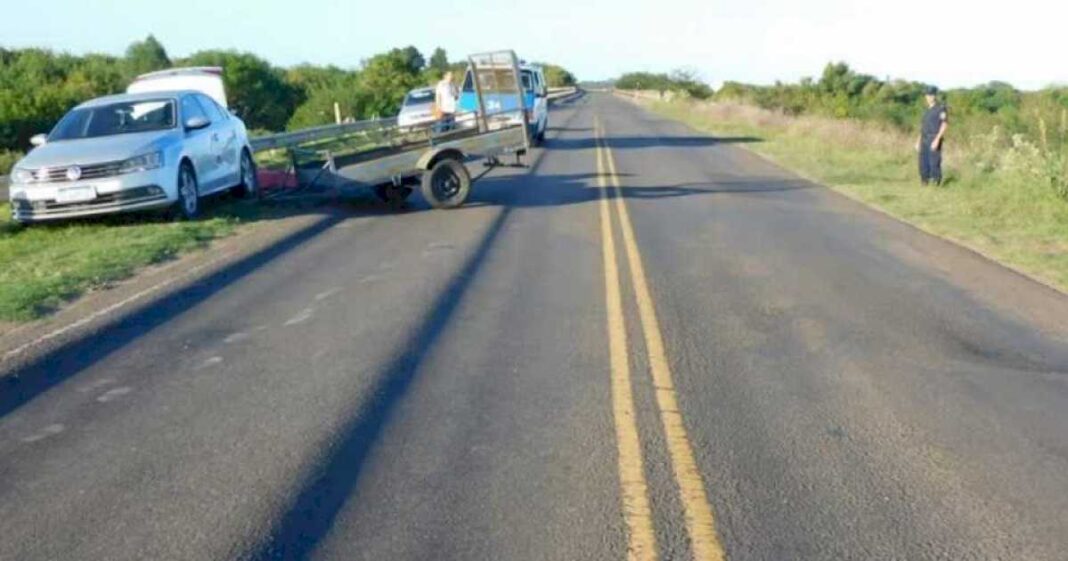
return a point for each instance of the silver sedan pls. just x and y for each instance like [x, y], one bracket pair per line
[133, 152]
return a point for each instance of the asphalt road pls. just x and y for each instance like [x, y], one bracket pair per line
[747, 363]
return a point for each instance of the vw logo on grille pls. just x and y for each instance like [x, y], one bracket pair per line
[74, 173]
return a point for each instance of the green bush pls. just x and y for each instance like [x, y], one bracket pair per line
[679, 80]
[38, 86]
[7, 160]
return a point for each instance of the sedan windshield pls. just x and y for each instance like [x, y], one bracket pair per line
[115, 118]
[419, 97]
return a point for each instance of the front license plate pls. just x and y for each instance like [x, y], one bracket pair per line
[75, 195]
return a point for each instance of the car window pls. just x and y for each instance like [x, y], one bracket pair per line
[419, 97]
[211, 108]
[191, 109]
[115, 118]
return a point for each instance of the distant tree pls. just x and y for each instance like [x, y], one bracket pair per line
[994, 96]
[643, 81]
[412, 58]
[318, 108]
[258, 92]
[557, 76]
[146, 56]
[681, 80]
[386, 78]
[308, 78]
[439, 61]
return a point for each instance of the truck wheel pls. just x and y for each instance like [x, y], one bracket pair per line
[447, 184]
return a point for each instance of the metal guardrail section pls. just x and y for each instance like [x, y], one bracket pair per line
[295, 138]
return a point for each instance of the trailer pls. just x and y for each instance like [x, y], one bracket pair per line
[391, 162]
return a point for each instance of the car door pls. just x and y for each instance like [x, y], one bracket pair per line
[199, 145]
[224, 141]
[541, 102]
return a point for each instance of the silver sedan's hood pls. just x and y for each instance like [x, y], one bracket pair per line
[86, 151]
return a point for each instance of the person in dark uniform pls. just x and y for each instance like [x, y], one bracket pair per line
[932, 133]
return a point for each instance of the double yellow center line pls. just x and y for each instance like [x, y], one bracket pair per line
[637, 512]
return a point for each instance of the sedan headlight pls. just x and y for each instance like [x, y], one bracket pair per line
[143, 162]
[22, 175]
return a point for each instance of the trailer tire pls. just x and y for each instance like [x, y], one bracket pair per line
[446, 184]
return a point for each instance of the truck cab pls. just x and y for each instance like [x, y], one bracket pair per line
[535, 99]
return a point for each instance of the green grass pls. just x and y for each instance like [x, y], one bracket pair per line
[1007, 211]
[43, 266]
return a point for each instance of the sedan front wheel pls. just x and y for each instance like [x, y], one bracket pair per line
[188, 205]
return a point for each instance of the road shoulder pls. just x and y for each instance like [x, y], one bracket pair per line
[21, 343]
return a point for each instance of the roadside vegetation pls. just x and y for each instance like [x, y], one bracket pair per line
[679, 80]
[1006, 193]
[45, 266]
[38, 86]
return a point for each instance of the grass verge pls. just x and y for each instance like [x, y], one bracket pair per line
[43, 266]
[46, 265]
[995, 201]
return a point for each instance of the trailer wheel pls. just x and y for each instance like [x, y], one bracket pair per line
[447, 184]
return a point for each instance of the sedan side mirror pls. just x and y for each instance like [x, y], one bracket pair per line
[196, 123]
[38, 139]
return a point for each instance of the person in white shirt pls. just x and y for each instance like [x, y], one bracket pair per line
[445, 95]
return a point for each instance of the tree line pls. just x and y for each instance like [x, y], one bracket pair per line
[841, 92]
[997, 124]
[37, 86]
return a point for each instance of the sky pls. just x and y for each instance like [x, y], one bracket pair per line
[948, 43]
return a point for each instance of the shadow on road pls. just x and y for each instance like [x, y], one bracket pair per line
[640, 142]
[558, 190]
[34, 378]
[320, 496]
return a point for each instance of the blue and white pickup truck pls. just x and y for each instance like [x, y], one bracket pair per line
[535, 100]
